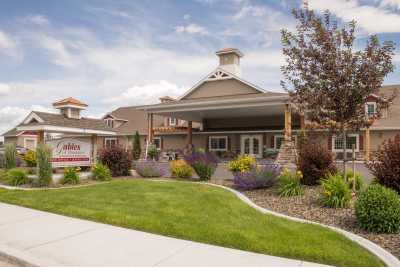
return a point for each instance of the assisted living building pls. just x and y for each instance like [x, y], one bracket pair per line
[222, 113]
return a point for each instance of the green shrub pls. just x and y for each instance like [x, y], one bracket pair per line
[30, 158]
[16, 177]
[44, 169]
[290, 184]
[3, 175]
[242, 164]
[203, 163]
[315, 162]
[335, 191]
[10, 156]
[2, 161]
[180, 169]
[152, 152]
[71, 176]
[101, 172]
[378, 210]
[359, 180]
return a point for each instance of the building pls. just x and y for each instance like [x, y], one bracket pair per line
[222, 113]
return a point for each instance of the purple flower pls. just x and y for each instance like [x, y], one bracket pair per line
[262, 176]
[203, 163]
[150, 168]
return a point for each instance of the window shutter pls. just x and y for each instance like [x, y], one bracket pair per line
[330, 142]
[228, 145]
[207, 143]
[361, 142]
[272, 141]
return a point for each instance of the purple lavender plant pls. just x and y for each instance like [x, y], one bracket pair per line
[263, 176]
[150, 168]
[203, 163]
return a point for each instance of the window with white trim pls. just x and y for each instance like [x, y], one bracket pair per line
[172, 121]
[157, 142]
[280, 139]
[110, 142]
[351, 139]
[218, 143]
[370, 109]
[109, 123]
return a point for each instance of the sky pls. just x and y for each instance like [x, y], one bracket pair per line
[112, 53]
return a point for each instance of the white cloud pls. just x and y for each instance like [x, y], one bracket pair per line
[36, 19]
[148, 93]
[249, 10]
[58, 51]
[186, 17]
[390, 3]
[8, 45]
[373, 19]
[4, 89]
[192, 28]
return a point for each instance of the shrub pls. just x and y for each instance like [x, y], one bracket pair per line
[117, 160]
[101, 172]
[290, 184]
[10, 155]
[378, 210]
[16, 177]
[315, 162]
[180, 169]
[152, 152]
[136, 149]
[359, 180]
[3, 176]
[385, 166]
[44, 168]
[242, 164]
[258, 177]
[2, 161]
[30, 158]
[150, 168]
[203, 163]
[71, 176]
[335, 191]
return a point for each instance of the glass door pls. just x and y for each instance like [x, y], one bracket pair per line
[251, 145]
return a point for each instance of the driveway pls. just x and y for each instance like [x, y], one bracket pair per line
[46, 239]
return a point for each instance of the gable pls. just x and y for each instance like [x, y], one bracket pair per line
[222, 87]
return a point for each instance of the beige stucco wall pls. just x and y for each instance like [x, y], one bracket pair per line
[377, 138]
[221, 88]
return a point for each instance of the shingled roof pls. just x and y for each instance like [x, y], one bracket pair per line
[69, 101]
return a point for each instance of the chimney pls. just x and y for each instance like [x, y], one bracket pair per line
[229, 60]
[70, 107]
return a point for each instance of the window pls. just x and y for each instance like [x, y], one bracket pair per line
[157, 142]
[280, 139]
[218, 143]
[110, 142]
[30, 143]
[350, 140]
[370, 109]
[172, 122]
[109, 123]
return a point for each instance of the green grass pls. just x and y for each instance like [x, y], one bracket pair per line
[196, 212]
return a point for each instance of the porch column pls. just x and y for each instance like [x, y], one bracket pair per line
[93, 140]
[288, 122]
[150, 133]
[302, 122]
[189, 133]
[41, 137]
[367, 144]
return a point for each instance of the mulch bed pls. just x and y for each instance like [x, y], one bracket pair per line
[308, 207]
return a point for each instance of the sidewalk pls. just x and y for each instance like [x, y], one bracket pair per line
[46, 239]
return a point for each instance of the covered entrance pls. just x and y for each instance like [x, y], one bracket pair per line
[251, 145]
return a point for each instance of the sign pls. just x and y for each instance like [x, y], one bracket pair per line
[69, 152]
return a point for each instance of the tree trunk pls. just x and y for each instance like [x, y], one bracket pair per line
[344, 153]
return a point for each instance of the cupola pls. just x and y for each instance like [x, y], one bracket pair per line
[70, 107]
[229, 60]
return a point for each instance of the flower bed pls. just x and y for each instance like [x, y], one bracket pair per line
[308, 207]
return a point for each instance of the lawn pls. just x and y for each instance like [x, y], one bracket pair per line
[196, 212]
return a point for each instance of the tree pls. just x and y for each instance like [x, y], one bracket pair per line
[330, 80]
[136, 150]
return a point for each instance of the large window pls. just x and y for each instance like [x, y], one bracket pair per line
[218, 143]
[110, 142]
[157, 142]
[109, 123]
[352, 139]
[172, 121]
[370, 109]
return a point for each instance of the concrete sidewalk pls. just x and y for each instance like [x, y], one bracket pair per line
[46, 239]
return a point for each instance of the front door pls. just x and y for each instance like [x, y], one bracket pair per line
[251, 145]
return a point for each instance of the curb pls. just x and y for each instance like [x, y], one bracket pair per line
[382, 254]
[49, 188]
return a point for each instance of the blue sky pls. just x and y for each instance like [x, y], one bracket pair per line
[111, 53]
